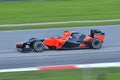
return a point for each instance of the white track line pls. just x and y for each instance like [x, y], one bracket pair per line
[18, 69]
[48, 23]
[60, 67]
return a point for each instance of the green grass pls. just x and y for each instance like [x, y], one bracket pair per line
[73, 74]
[59, 25]
[113, 76]
[58, 10]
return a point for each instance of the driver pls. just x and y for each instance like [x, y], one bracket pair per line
[67, 33]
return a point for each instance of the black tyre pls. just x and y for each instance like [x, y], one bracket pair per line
[96, 44]
[38, 46]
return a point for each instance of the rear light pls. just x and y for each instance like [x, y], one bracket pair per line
[19, 43]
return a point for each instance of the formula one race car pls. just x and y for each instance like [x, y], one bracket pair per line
[70, 40]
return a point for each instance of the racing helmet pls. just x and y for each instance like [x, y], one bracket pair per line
[66, 30]
[66, 33]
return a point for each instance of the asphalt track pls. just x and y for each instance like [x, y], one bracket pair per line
[11, 58]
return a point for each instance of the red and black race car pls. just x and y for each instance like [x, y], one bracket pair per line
[70, 40]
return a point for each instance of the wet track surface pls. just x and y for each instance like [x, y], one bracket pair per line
[11, 58]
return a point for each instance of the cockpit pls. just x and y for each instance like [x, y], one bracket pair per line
[77, 36]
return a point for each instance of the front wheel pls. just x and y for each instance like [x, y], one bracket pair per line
[38, 46]
[96, 44]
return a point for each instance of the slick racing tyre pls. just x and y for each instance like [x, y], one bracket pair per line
[96, 43]
[38, 46]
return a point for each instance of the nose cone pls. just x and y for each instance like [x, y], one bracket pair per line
[19, 44]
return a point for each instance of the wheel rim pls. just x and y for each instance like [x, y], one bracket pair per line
[96, 44]
[38, 47]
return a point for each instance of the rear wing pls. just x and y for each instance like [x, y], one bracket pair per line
[94, 32]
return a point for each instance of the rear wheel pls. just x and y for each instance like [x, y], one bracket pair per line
[96, 44]
[38, 46]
